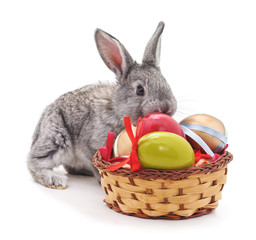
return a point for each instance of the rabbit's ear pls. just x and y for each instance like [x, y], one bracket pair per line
[153, 48]
[113, 53]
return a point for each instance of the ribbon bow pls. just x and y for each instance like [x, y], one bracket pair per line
[133, 158]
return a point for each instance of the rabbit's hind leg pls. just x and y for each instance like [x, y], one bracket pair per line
[51, 148]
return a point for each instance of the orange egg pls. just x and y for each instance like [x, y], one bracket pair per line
[210, 129]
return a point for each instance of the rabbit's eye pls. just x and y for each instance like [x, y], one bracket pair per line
[140, 90]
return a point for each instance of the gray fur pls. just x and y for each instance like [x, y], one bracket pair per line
[72, 128]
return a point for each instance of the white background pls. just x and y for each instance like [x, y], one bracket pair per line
[47, 48]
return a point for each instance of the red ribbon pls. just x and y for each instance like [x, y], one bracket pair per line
[199, 155]
[106, 151]
[133, 158]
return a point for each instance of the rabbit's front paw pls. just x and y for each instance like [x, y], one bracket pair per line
[52, 179]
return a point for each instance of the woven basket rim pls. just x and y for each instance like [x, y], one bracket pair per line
[154, 174]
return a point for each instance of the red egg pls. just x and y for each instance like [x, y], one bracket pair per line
[160, 122]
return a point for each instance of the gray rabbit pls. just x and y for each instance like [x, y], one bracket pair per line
[72, 128]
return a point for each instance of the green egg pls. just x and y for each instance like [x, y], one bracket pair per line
[165, 150]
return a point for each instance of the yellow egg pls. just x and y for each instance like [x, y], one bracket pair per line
[208, 126]
[123, 145]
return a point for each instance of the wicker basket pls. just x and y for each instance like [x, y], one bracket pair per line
[165, 194]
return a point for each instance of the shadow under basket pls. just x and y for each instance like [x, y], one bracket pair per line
[164, 194]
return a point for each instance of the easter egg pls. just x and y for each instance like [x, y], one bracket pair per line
[122, 145]
[155, 122]
[164, 150]
[210, 129]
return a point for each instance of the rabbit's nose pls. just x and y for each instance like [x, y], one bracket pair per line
[164, 109]
[167, 108]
